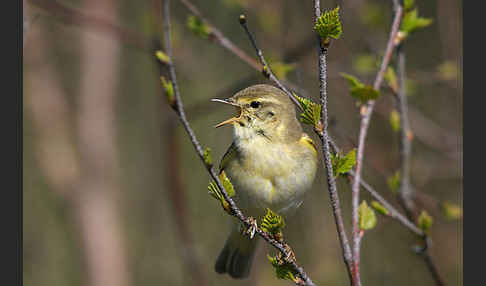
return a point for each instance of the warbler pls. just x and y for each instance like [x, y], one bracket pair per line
[271, 164]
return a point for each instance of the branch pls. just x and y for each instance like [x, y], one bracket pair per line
[365, 121]
[79, 17]
[234, 210]
[324, 136]
[406, 193]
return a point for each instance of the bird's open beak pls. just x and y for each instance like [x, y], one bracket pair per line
[233, 119]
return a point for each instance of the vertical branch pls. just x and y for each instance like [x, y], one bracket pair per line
[366, 113]
[406, 193]
[97, 212]
[323, 135]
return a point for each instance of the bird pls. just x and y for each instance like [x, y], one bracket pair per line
[271, 164]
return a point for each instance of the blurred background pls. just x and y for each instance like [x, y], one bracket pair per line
[114, 193]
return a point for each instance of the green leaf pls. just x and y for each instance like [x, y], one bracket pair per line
[408, 4]
[359, 90]
[272, 223]
[216, 193]
[198, 27]
[365, 93]
[281, 70]
[312, 111]
[353, 81]
[341, 165]
[379, 208]
[162, 57]
[367, 217]
[425, 221]
[207, 156]
[394, 182]
[451, 211]
[283, 270]
[411, 22]
[395, 120]
[329, 25]
[169, 90]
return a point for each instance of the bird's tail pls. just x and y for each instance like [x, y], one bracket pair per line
[237, 255]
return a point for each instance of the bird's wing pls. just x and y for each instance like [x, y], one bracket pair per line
[230, 153]
[305, 139]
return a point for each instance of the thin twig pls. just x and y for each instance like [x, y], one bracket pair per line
[324, 136]
[392, 211]
[70, 15]
[406, 193]
[267, 71]
[234, 210]
[365, 121]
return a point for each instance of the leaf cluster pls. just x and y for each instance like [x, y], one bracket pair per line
[216, 193]
[283, 269]
[411, 22]
[329, 25]
[341, 165]
[198, 27]
[312, 111]
[362, 92]
[272, 223]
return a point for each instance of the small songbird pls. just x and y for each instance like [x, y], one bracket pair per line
[271, 163]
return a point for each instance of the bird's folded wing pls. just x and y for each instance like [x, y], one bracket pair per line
[305, 139]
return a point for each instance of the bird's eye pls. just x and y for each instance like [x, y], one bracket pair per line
[255, 104]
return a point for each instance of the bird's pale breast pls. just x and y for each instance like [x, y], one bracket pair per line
[271, 175]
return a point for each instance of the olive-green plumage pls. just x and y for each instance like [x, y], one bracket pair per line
[271, 163]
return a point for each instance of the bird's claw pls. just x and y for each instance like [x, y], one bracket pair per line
[252, 228]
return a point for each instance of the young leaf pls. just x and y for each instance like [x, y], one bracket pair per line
[379, 208]
[341, 165]
[216, 193]
[367, 217]
[169, 90]
[283, 270]
[359, 90]
[272, 223]
[162, 57]
[312, 111]
[395, 120]
[408, 4]
[329, 25]
[411, 22]
[207, 156]
[425, 221]
[198, 27]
